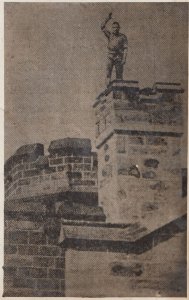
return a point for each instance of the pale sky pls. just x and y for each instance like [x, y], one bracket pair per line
[55, 56]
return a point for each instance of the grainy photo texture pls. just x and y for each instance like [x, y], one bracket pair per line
[95, 149]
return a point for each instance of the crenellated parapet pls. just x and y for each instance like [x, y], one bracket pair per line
[124, 106]
[70, 166]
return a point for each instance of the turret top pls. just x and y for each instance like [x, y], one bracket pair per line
[132, 87]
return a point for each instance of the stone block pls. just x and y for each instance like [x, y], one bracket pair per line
[149, 206]
[136, 140]
[48, 284]
[28, 250]
[73, 159]
[24, 283]
[60, 263]
[87, 160]
[56, 273]
[10, 249]
[17, 176]
[43, 261]
[56, 161]
[127, 270]
[156, 141]
[49, 251]
[149, 175]
[18, 237]
[19, 224]
[47, 293]
[60, 168]
[10, 272]
[32, 272]
[134, 171]
[19, 292]
[19, 167]
[50, 170]
[151, 163]
[23, 272]
[25, 181]
[18, 260]
[31, 173]
[52, 240]
[159, 186]
[37, 238]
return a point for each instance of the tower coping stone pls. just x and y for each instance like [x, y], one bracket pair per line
[168, 87]
[158, 87]
[118, 84]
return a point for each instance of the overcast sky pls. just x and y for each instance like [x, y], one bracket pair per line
[55, 62]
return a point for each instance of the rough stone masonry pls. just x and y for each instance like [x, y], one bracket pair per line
[76, 225]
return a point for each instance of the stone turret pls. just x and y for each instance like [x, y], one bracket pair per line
[70, 169]
[138, 137]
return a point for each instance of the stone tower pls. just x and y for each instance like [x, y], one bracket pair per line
[138, 137]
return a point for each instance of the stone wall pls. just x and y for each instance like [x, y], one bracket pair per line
[57, 242]
[143, 176]
[34, 264]
[40, 190]
[94, 259]
[160, 271]
[28, 175]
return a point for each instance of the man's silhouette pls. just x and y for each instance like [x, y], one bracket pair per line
[117, 49]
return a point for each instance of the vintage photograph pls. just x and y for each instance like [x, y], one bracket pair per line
[95, 149]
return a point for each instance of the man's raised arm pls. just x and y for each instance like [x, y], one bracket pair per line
[125, 50]
[103, 26]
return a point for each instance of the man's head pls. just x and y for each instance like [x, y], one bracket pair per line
[115, 28]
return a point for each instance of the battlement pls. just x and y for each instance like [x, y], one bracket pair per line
[131, 87]
[124, 106]
[69, 167]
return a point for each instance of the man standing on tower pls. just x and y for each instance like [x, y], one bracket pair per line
[117, 49]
